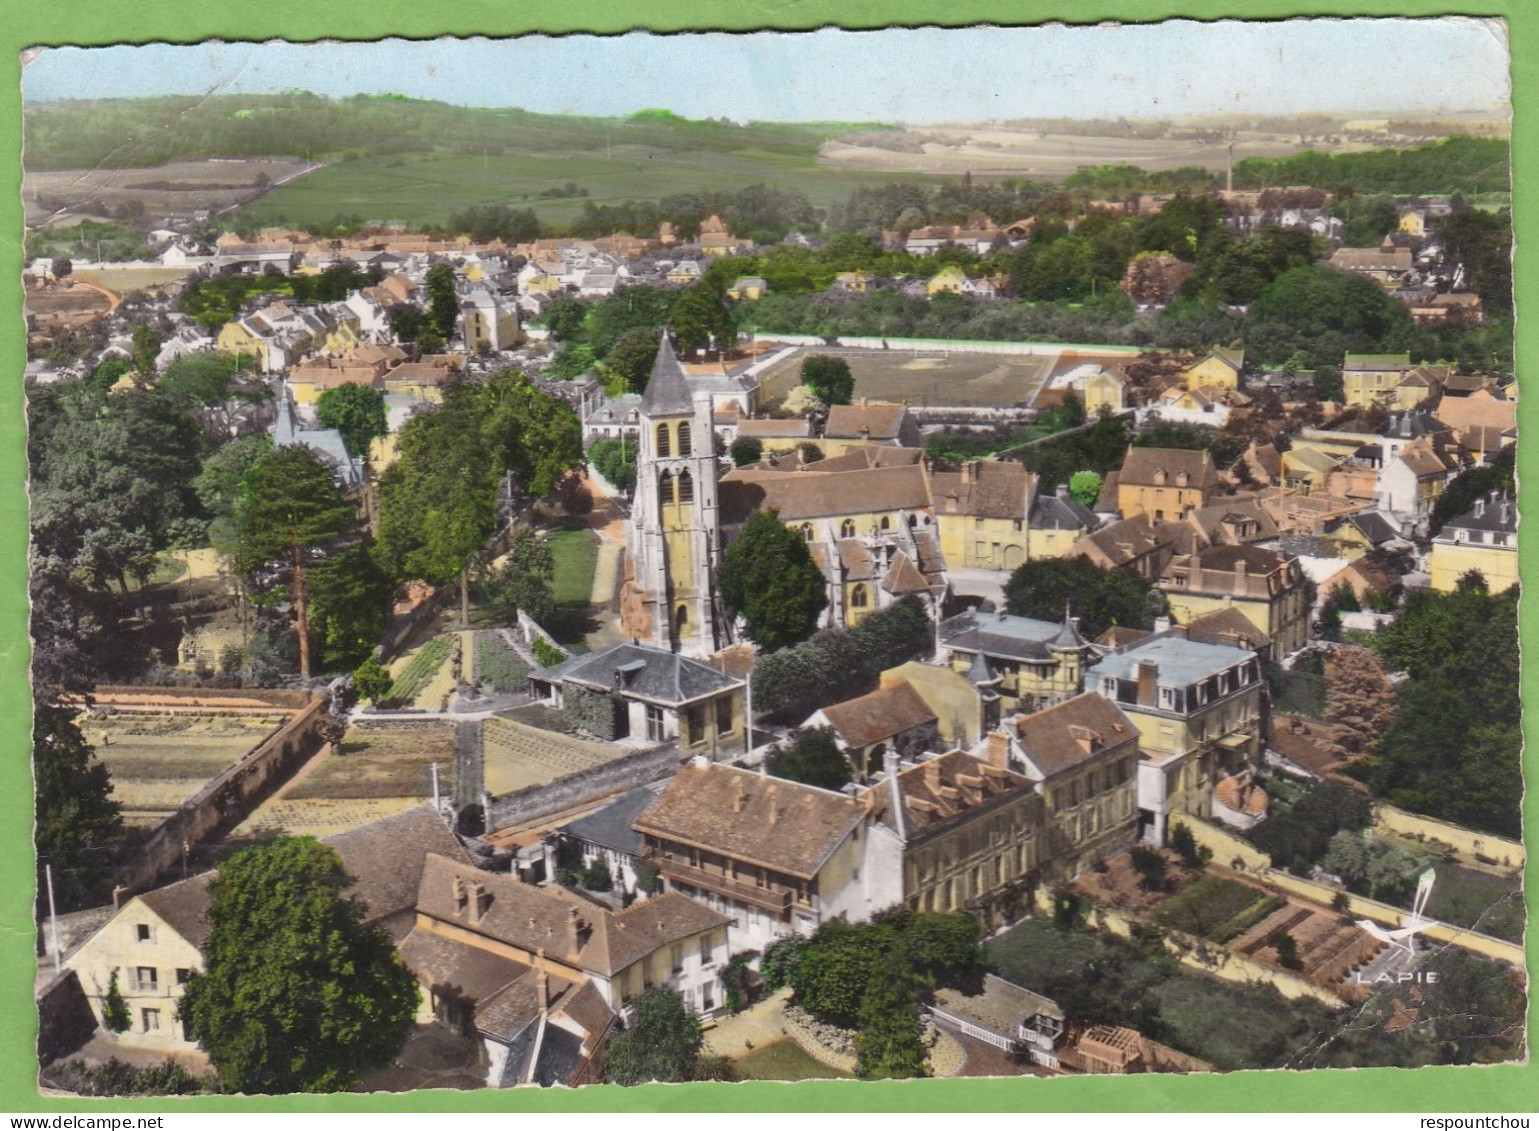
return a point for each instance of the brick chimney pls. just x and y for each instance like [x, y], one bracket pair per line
[932, 775]
[480, 902]
[461, 893]
[1241, 578]
[967, 470]
[1148, 677]
[998, 750]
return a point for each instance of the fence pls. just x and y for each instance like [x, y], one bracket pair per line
[228, 796]
[910, 345]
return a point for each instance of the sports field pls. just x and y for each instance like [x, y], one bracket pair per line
[925, 377]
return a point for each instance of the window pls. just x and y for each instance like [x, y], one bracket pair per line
[147, 977]
[684, 447]
[1018, 524]
[977, 524]
[654, 723]
[705, 951]
[859, 598]
[807, 531]
[676, 958]
[686, 486]
[182, 975]
[142, 932]
[665, 489]
[151, 1018]
[886, 523]
[847, 528]
[696, 720]
[708, 997]
[724, 715]
[663, 447]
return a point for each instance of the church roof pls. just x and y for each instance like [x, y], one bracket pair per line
[667, 391]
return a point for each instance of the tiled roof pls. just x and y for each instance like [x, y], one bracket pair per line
[774, 429]
[1063, 736]
[1141, 466]
[904, 577]
[1226, 626]
[878, 715]
[566, 926]
[939, 791]
[875, 421]
[987, 489]
[780, 824]
[641, 671]
[817, 494]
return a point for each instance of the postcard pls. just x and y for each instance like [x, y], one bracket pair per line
[575, 560]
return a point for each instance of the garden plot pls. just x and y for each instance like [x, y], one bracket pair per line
[517, 756]
[159, 762]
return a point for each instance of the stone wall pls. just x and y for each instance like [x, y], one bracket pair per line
[229, 797]
[526, 806]
[1478, 850]
[827, 1044]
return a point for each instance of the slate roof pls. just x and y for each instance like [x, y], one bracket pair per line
[610, 827]
[1000, 1008]
[667, 391]
[878, 715]
[1072, 732]
[1494, 512]
[780, 824]
[640, 671]
[1001, 635]
[1060, 512]
[1180, 661]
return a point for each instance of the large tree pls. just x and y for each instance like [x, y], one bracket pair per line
[356, 411]
[295, 507]
[349, 607]
[1100, 598]
[701, 319]
[769, 578]
[523, 582]
[443, 305]
[532, 434]
[813, 758]
[829, 378]
[663, 1043]
[296, 994]
[632, 358]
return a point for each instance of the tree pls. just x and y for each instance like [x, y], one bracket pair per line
[406, 321]
[223, 486]
[77, 817]
[1185, 845]
[615, 461]
[356, 411]
[371, 680]
[146, 347]
[61, 267]
[746, 450]
[813, 758]
[523, 582]
[1151, 866]
[296, 994]
[1101, 598]
[349, 608]
[769, 578]
[597, 877]
[632, 358]
[532, 434]
[1287, 948]
[891, 1042]
[294, 508]
[701, 317]
[1085, 487]
[829, 377]
[443, 307]
[662, 1044]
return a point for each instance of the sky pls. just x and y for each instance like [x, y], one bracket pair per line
[916, 76]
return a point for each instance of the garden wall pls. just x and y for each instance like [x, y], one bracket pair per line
[525, 806]
[1227, 848]
[1478, 850]
[231, 795]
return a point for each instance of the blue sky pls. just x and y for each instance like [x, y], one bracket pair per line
[909, 75]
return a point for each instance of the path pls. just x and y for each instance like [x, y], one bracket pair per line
[741, 1033]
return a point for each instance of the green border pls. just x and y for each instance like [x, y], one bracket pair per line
[1510, 1088]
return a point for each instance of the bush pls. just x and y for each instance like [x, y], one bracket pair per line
[371, 680]
[1287, 951]
[746, 450]
[1151, 868]
[546, 653]
[114, 1009]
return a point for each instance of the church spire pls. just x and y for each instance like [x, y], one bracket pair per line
[667, 391]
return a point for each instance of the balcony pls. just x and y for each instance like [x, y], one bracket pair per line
[775, 900]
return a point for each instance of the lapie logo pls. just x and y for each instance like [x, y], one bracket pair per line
[1405, 937]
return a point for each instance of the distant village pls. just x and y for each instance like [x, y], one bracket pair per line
[553, 818]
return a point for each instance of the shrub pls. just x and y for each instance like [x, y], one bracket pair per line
[545, 652]
[114, 1008]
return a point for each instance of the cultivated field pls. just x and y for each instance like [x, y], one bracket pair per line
[157, 762]
[925, 377]
[178, 186]
[517, 756]
[997, 151]
[376, 772]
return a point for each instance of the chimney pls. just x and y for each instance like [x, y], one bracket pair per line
[1480, 506]
[967, 471]
[1506, 511]
[890, 763]
[480, 902]
[1148, 675]
[1241, 578]
[1161, 624]
[461, 893]
[998, 750]
[932, 775]
[542, 987]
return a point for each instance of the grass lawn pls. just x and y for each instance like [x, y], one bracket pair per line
[784, 1060]
[1107, 980]
[1490, 904]
[575, 550]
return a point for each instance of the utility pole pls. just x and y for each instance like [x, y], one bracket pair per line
[53, 922]
[436, 806]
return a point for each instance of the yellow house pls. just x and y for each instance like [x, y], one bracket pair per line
[237, 337]
[1198, 710]
[342, 337]
[425, 379]
[1413, 223]
[1265, 586]
[949, 281]
[1371, 378]
[1105, 391]
[1036, 663]
[1483, 538]
[1220, 367]
[749, 287]
[853, 282]
[1165, 483]
[982, 510]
